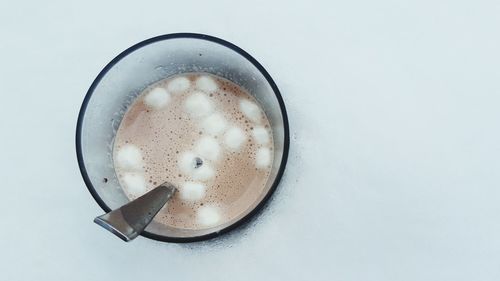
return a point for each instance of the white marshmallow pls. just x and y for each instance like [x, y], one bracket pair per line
[129, 157]
[206, 84]
[179, 84]
[187, 165]
[198, 105]
[250, 110]
[260, 135]
[134, 183]
[208, 148]
[208, 215]
[192, 191]
[187, 162]
[214, 124]
[157, 98]
[234, 138]
[203, 173]
[263, 158]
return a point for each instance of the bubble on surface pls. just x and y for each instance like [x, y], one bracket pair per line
[198, 105]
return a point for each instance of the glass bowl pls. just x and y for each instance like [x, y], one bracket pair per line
[145, 63]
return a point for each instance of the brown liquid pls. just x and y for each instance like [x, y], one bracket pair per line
[163, 135]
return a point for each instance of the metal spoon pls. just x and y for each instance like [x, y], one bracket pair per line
[128, 221]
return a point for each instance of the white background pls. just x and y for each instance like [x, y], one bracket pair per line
[394, 164]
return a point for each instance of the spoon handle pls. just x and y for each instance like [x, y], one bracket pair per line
[128, 221]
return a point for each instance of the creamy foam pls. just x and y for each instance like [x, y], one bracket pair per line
[204, 134]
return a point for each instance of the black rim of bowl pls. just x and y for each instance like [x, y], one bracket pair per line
[229, 45]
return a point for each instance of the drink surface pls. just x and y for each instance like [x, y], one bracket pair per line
[204, 134]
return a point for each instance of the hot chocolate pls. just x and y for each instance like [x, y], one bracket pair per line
[207, 136]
